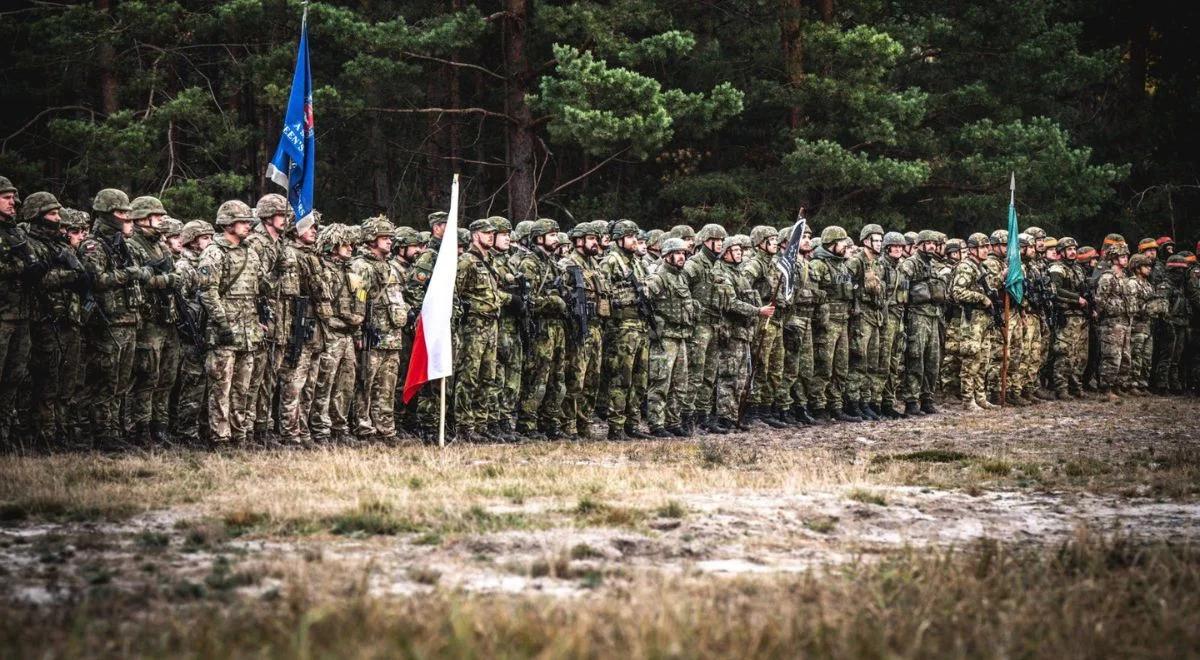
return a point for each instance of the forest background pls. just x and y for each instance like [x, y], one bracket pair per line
[910, 113]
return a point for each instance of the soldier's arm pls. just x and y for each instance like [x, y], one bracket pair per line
[1064, 291]
[208, 280]
[962, 287]
[95, 261]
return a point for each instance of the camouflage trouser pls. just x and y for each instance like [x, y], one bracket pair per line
[832, 364]
[542, 384]
[668, 381]
[335, 386]
[626, 352]
[154, 370]
[732, 376]
[71, 410]
[1114, 353]
[475, 397]
[14, 362]
[973, 350]
[797, 382]
[1168, 372]
[951, 369]
[375, 405]
[866, 347]
[230, 394]
[702, 367]
[1070, 355]
[110, 371]
[768, 365]
[1141, 354]
[47, 390]
[510, 358]
[267, 365]
[582, 369]
[894, 344]
[922, 358]
[405, 414]
[297, 392]
[1014, 354]
[190, 404]
[1033, 356]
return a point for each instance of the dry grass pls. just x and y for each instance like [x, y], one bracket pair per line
[1092, 599]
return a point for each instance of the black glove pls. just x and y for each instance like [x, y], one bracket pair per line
[225, 337]
[34, 272]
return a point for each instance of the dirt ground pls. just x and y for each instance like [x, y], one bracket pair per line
[572, 521]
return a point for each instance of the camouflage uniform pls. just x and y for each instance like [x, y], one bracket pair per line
[767, 396]
[269, 360]
[338, 368]
[375, 406]
[867, 328]
[1113, 298]
[476, 399]
[967, 329]
[832, 333]
[542, 385]
[190, 403]
[229, 278]
[1148, 306]
[894, 342]
[584, 349]
[425, 406]
[303, 288]
[158, 344]
[626, 340]
[798, 340]
[702, 276]
[510, 352]
[739, 306]
[111, 331]
[1070, 345]
[669, 293]
[993, 268]
[923, 353]
[1169, 372]
[1033, 330]
[18, 270]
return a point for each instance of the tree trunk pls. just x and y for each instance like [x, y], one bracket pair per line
[793, 51]
[826, 8]
[521, 185]
[106, 59]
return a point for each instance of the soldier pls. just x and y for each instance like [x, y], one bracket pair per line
[158, 345]
[190, 403]
[1191, 291]
[565, 245]
[274, 217]
[830, 274]
[797, 384]
[910, 240]
[426, 407]
[409, 246]
[702, 277]
[229, 283]
[476, 407]
[329, 420]
[54, 303]
[510, 348]
[1148, 307]
[1030, 323]
[923, 353]
[1168, 371]
[383, 333]
[668, 290]
[542, 382]
[1113, 301]
[741, 311]
[687, 234]
[867, 312]
[73, 225]
[967, 329]
[654, 239]
[952, 250]
[111, 331]
[995, 269]
[307, 309]
[760, 268]
[893, 341]
[627, 340]
[19, 274]
[1070, 343]
[586, 293]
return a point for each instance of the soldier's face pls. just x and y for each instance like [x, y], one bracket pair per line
[241, 228]
[677, 258]
[1071, 253]
[438, 230]
[201, 243]
[383, 244]
[74, 237]
[8, 204]
[175, 243]
[1168, 249]
[895, 251]
[1152, 253]
[641, 246]
[806, 243]
[1040, 245]
[691, 244]
[344, 251]
[503, 241]
[52, 216]
[485, 239]
[1121, 260]
[308, 236]
[713, 244]
[734, 254]
[126, 226]
[771, 245]
[412, 252]
[155, 220]
[279, 222]
[629, 243]
[874, 242]
[591, 245]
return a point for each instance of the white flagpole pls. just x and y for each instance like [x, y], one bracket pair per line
[442, 415]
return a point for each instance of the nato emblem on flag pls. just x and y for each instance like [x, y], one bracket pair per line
[294, 163]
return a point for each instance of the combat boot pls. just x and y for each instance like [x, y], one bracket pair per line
[868, 412]
[159, 435]
[631, 431]
[713, 425]
[927, 408]
[971, 407]
[768, 416]
[678, 432]
[800, 413]
[888, 410]
[616, 434]
[660, 432]
[687, 422]
[912, 409]
[821, 415]
[983, 402]
[843, 415]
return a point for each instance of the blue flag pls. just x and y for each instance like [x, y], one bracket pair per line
[294, 163]
[1014, 282]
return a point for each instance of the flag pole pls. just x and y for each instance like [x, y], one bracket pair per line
[442, 414]
[1012, 200]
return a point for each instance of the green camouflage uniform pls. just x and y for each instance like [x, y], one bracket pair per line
[302, 282]
[375, 406]
[158, 344]
[867, 329]
[626, 340]
[1114, 299]
[584, 350]
[701, 273]
[543, 384]
[739, 307]
[1168, 372]
[766, 279]
[189, 399]
[16, 306]
[993, 266]
[338, 369]
[832, 331]
[1070, 345]
[923, 353]
[894, 341]
[510, 352]
[476, 399]
[671, 297]
[798, 337]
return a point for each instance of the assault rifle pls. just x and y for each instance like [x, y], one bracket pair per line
[370, 339]
[997, 299]
[579, 308]
[191, 329]
[522, 306]
[300, 332]
[645, 308]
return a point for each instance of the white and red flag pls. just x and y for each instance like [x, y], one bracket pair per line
[432, 354]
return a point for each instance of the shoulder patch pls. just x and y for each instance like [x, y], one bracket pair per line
[421, 276]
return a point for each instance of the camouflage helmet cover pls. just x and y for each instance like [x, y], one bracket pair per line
[109, 200]
[145, 206]
[194, 229]
[540, 227]
[833, 234]
[234, 210]
[464, 237]
[673, 244]
[521, 231]
[622, 228]
[894, 238]
[868, 230]
[1067, 242]
[373, 228]
[75, 219]
[39, 204]
[762, 233]
[654, 238]
[171, 227]
[954, 245]
[999, 237]
[683, 231]
[712, 231]
[978, 239]
[1035, 232]
[502, 224]
[438, 218]
[271, 205]
[6, 185]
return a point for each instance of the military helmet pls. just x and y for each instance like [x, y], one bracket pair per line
[1165, 240]
[955, 245]
[373, 228]
[195, 228]
[539, 228]
[271, 205]
[683, 231]
[39, 204]
[1116, 250]
[731, 241]
[1178, 261]
[1050, 242]
[911, 237]
[999, 237]
[109, 200]
[6, 185]
[423, 237]
[562, 238]
[1112, 239]
[464, 237]
[762, 233]
[171, 227]
[894, 238]
[1024, 240]
[1085, 253]
[552, 223]
[74, 219]
[1147, 244]
[437, 218]
[654, 238]
[938, 237]
[868, 230]
[1067, 242]
[927, 235]
[521, 231]
[1035, 232]
[1139, 261]
[483, 225]
[673, 244]
[623, 228]
[785, 234]
[234, 210]
[145, 206]
[978, 239]
[711, 231]
[833, 234]
[406, 236]
[502, 224]
[578, 231]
